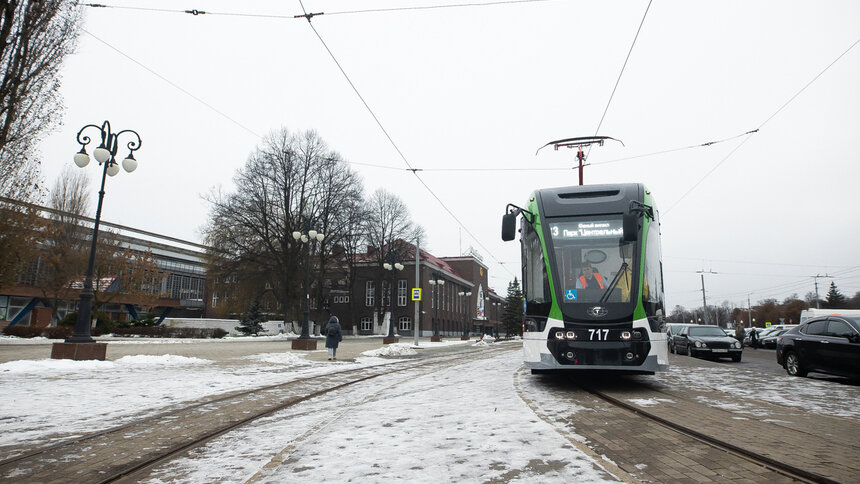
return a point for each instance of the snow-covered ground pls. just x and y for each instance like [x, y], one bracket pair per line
[466, 423]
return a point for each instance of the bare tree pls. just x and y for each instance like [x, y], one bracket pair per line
[20, 228]
[62, 259]
[35, 36]
[388, 221]
[290, 180]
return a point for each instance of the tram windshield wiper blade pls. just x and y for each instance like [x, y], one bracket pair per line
[614, 282]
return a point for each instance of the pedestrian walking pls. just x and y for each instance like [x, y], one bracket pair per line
[739, 333]
[754, 339]
[333, 336]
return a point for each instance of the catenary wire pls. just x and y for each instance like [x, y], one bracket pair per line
[761, 126]
[397, 148]
[173, 84]
[197, 12]
[626, 59]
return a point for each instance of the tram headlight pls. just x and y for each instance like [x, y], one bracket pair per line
[637, 334]
[699, 344]
[625, 335]
[563, 335]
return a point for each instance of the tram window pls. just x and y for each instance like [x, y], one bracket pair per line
[536, 287]
[589, 253]
[652, 285]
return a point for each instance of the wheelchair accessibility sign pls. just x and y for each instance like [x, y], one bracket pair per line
[570, 295]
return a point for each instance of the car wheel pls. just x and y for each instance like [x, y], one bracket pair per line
[792, 365]
[736, 358]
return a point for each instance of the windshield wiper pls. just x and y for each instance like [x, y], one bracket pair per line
[614, 283]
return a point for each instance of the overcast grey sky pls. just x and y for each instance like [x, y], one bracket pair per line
[481, 88]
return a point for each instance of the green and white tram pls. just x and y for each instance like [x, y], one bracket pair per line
[592, 279]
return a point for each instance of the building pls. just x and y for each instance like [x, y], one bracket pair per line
[179, 284]
[455, 298]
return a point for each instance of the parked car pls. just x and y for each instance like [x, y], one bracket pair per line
[769, 340]
[671, 331]
[826, 344]
[707, 340]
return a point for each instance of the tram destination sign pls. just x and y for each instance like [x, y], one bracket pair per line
[592, 229]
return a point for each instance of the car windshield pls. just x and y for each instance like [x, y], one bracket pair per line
[711, 331]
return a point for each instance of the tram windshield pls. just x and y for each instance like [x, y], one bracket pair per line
[594, 264]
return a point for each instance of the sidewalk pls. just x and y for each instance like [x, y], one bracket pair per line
[218, 350]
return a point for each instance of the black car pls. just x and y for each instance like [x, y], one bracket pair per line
[707, 340]
[769, 340]
[671, 330]
[827, 344]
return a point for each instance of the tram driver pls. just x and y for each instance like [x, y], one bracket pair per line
[590, 278]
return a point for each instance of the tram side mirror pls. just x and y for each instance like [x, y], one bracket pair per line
[631, 227]
[509, 226]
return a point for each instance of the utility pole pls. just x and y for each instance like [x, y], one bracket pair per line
[816, 277]
[704, 301]
[749, 311]
[417, 327]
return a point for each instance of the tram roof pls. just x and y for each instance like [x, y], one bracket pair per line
[586, 199]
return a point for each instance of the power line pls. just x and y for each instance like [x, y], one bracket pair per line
[617, 81]
[761, 126]
[173, 84]
[397, 148]
[817, 266]
[197, 13]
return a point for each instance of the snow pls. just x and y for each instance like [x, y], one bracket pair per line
[470, 422]
[396, 349]
[648, 402]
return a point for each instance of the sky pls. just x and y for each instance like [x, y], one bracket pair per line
[520, 404]
[468, 94]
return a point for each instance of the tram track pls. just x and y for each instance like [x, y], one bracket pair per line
[114, 454]
[783, 468]
[669, 440]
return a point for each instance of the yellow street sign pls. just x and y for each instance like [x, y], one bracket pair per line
[416, 294]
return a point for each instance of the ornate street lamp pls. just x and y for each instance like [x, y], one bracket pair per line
[436, 282]
[305, 342]
[468, 312]
[105, 155]
[393, 267]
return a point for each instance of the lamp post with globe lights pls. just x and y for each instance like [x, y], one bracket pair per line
[467, 301]
[305, 342]
[392, 267]
[105, 155]
[437, 284]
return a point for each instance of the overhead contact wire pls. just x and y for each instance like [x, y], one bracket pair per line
[798, 93]
[391, 140]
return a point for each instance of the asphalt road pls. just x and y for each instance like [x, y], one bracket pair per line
[764, 361]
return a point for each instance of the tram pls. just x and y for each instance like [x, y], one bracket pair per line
[592, 278]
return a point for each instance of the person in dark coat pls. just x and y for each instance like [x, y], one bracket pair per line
[754, 339]
[333, 336]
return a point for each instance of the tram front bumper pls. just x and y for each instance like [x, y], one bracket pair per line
[608, 353]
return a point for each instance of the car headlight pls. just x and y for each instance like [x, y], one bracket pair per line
[737, 344]
[699, 344]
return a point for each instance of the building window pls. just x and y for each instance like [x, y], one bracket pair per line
[341, 299]
[370, 293]
[386, 294]
[405, 323]
[401, 292]
[366, 324]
